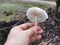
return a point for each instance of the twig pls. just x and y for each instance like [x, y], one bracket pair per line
[46, 43]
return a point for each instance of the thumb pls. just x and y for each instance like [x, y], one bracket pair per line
[32, 30]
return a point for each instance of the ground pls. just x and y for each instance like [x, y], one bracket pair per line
[50, 26]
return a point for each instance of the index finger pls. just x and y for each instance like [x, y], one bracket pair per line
[26, 25]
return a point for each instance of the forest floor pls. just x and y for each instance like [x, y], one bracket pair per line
[51, 30]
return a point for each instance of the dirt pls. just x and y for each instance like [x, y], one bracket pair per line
[51, 30]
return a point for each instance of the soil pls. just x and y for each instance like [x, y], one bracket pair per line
[51, 30]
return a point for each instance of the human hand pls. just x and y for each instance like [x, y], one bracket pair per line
[24, 34]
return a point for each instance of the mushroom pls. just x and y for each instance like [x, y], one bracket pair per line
[36, 15]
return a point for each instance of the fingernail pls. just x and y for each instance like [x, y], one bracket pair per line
[39, 37]
[42, 31]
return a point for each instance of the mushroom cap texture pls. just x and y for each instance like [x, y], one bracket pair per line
[35, 11]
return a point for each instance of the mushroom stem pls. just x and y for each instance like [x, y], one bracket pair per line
[36, 23]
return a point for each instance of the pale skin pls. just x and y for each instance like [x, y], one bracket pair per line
[24, 34]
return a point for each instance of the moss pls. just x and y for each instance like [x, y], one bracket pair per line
[11, 8]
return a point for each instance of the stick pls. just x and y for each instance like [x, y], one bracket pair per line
[45, 43]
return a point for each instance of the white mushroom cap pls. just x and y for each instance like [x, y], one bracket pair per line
[35, 11]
